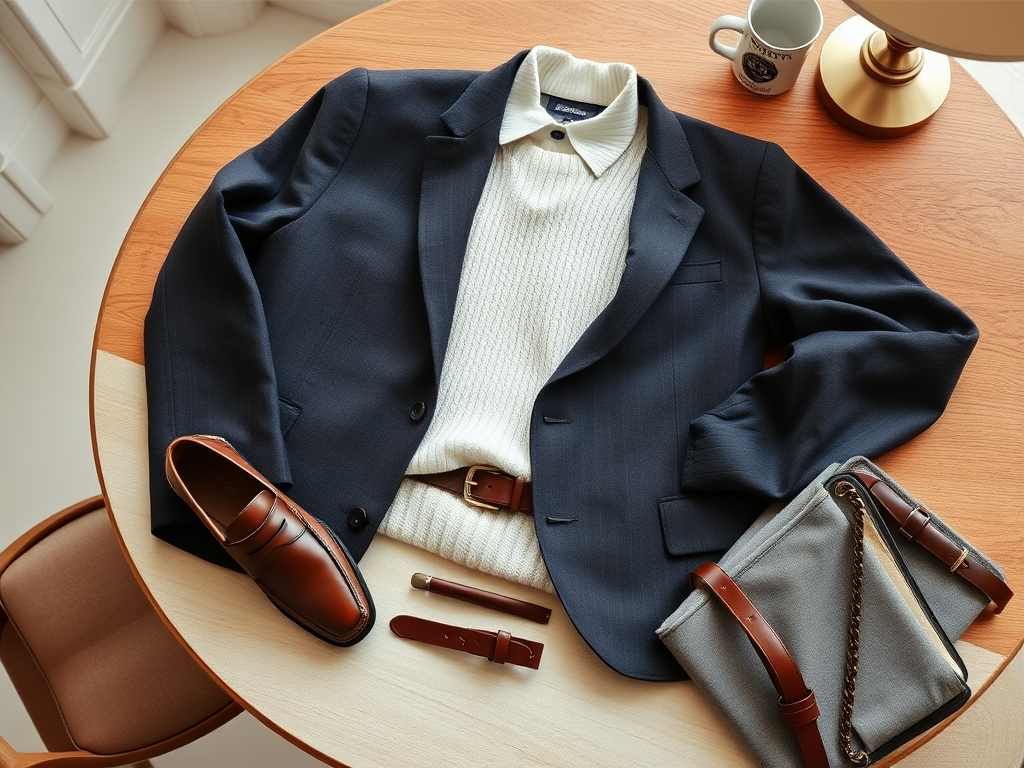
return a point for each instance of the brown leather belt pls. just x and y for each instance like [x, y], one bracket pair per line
[499, 647]
[484, 486]
[915, 524]
[797, 706]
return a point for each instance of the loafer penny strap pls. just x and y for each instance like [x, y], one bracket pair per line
[499, 647]
[797, 707]
[251, 520]
[915, 524]
[265, 525]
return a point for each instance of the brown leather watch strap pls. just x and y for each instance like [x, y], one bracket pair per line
[482, 597]
[797, 707]
[484, 486]
[499, 647]
[915, 524]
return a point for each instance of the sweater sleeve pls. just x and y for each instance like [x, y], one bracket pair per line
[209, 365]
[871, 355]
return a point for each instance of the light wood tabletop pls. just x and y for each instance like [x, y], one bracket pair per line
[948, 199]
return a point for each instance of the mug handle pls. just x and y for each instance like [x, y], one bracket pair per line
[734, 23]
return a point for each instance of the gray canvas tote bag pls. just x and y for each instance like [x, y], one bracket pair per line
[796, 565]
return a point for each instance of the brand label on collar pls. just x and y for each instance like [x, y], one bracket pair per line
[568, 111]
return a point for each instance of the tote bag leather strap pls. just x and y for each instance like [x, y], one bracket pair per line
[915, 524]
[797, 706]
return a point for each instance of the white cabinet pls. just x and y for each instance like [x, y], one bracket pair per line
[81, 53]
[63, 65]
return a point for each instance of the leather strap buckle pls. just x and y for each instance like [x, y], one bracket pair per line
[467, 492]
[962, 560]
[915, 522]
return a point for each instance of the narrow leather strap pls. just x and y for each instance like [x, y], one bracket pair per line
[491, 487]
[797, 707]
[500, 647]
[482, 597]
[915, 524]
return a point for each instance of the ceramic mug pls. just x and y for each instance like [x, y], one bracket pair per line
[775, 39]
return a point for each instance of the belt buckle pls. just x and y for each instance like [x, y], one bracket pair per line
[467, 491]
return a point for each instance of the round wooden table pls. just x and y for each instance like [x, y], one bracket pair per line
[948, 199]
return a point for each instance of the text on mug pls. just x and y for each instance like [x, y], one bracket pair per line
[769, 52]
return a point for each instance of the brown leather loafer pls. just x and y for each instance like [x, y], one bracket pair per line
[295, 559]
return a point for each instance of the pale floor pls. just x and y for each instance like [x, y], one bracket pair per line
[50, 291]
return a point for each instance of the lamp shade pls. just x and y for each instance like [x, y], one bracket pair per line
[991, 30]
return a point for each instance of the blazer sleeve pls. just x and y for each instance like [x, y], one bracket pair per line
[871, 355]
[209, 364]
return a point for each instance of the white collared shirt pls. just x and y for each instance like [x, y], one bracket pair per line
[599, 140]
[545, 255]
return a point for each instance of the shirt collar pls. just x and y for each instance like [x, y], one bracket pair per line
[599, 140]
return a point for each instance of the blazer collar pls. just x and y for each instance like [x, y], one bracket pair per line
[484, 99]
[666, 140]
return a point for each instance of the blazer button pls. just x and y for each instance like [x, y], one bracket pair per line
[417, 411]
[357, 517]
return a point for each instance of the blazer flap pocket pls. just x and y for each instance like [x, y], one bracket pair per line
[703, 272]
[706, 522]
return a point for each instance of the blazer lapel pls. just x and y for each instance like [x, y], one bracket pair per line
[662, 224]
[455, 169]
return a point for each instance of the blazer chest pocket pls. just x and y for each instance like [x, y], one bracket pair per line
[702, 272]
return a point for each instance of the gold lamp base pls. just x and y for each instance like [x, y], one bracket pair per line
[877, 85]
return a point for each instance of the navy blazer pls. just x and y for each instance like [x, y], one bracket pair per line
[307, 302]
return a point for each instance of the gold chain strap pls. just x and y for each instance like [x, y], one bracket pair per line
[858, 756]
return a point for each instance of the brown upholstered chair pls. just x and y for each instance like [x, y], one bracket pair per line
[104, 681]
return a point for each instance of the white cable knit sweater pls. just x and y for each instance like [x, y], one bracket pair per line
[545, 255]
